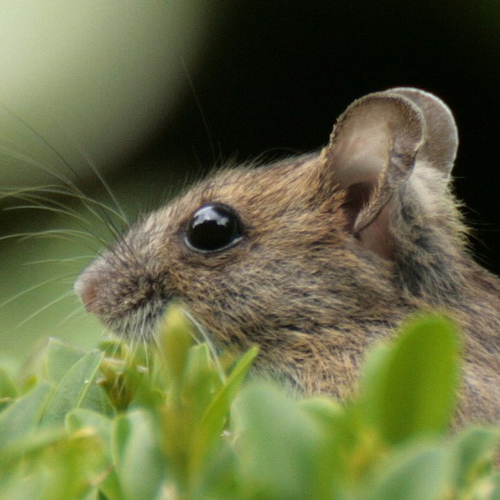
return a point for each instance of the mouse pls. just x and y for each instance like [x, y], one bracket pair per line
[316, 257]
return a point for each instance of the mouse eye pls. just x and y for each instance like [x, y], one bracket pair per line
[213, 227]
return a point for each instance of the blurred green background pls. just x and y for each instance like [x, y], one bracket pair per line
[151, 93]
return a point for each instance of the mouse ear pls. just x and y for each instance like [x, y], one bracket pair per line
[440, 147]
[371, 154]
[373, 151]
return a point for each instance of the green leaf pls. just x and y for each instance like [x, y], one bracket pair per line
[22, 417]
[488, 487]
[176, 335]
[29, 446]
[140, 466]
[115, 348]
[215, 416]
[412, 388]
[7, 387]
[216, 413]
[474, 451]
[199, 380]
[280, 446]
[111, 487]
[419, 473]
[326, 411]
[26, 487]
[59, 464]
[78, 389]
[82, 418]
[220, 479]
[59, 358]
[384, 446]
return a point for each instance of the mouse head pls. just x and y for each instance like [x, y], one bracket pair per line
[272, 253]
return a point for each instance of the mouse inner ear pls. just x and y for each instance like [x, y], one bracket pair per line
[357, 196]
[371, 154]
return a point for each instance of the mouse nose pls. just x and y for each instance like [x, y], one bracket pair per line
[86, 287]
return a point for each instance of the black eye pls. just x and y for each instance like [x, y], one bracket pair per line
[213, 227]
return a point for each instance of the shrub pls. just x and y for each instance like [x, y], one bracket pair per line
[177, 422]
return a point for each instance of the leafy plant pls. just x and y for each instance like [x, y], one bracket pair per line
[176, 422]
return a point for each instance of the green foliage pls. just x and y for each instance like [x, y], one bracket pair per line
[175, 422]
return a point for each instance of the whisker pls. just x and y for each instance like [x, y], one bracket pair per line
[207, 340]
[12, 153]
[67, 260]
[38, 202]
[33, 288]
[47, 208]
[71, 315]
[59, 234]
[62, 178]
[51, 148]
[83, 238]
[90, 162]
[145, 346]
[200, 110]
[34, 193]
[45, 307]
[42, 203]
[13, 236]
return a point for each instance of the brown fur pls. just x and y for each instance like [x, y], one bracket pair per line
[338, 248]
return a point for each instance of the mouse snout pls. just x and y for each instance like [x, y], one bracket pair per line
[86, 287]
[128, 301]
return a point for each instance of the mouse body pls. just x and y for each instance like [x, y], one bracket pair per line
[316, 257]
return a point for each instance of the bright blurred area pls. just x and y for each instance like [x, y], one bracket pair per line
[89, 78]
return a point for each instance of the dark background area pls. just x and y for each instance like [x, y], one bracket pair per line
[274, 76]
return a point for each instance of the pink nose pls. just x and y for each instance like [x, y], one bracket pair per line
[86, 289]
